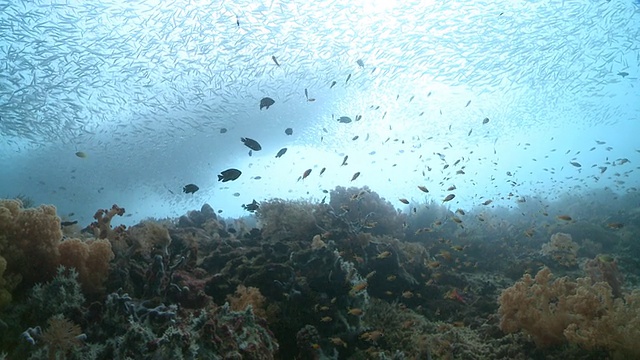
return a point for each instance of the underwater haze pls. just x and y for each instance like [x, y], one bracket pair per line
[127, 102]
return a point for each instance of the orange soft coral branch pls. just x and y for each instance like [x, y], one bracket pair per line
[102, 225]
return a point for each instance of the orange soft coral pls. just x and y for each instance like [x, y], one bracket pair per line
[90, 258]
[30, 239]
[102, 226]
[555, 311]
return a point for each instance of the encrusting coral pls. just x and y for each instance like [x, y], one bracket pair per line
[555, 311]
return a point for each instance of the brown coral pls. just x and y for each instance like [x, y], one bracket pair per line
[30, 240]
[245, 296]
[90, 258]
[102, 226]
[61, 336]
[554, 311]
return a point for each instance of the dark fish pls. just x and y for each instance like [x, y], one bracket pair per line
[232, 230]
[190, 188]
[266, 102]
[68, 223]
[355, 138]
[306, 173]
[344, 161]
[348, 77]
[253, 206]
[281, 152]
[468, 102]
[251, 144]
[344, 119]
[358, 117]
[288, 131]
[229, 174]
[355, 176]
[333, 83]
[623, 73]
[223, 130]
[449, 197]
[306, 94]
[574, 163]
[275, 61]
[360, 63]
[485, 121]
[81, 154]
[423, 188]
[322, 171]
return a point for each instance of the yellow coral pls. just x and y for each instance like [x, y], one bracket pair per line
[90, 258]
[554, 311]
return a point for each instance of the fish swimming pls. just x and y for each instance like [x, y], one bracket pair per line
[275, 61]
[190, 188]
[344, 119]
[251, 144]
[229, 174]
[251, 207]
[344, 161]
[266, 102]
[333, 83]
[360, 63]
[81, 154]
[355, 176]
[288, 131]
[281, 152]
[306, 173]
[485, 121]
[449, 197]
[223, 130]
[68, 223]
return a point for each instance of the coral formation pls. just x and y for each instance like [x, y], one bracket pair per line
[30, 241]
[102, 226]
[555, 311]
[248, 296]
[562, 249]
[90, 258]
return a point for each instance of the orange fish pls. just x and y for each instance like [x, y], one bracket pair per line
[306, 173]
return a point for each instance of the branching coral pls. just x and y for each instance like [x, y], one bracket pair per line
[90, 258]
[102, 226]
[554, 311]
